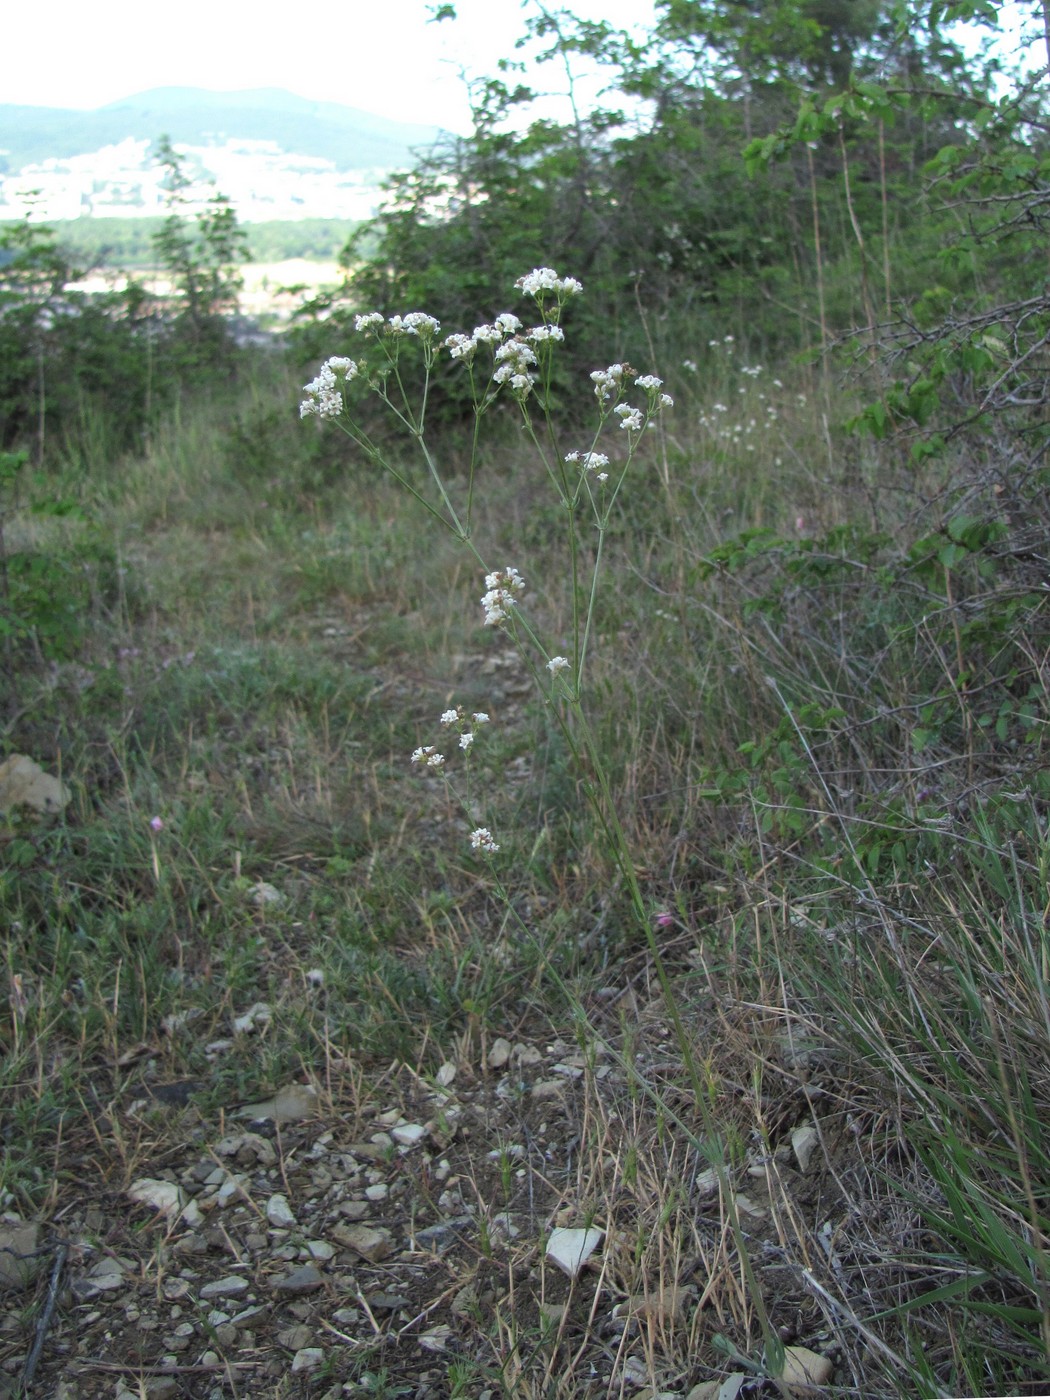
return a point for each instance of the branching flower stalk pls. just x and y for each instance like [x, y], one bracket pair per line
[504, 359]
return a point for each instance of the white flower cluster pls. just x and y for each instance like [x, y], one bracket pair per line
[502, 587]
[462, 347]
[630, 418]
[556, 664]
[429, 756]
[539, 334]
[609, 386]
[467, 727]
[589, 461]
[414, 323]
[506, 323]
[545, 279]
[608, 383]
[651, 383]
[514, 353]
[514, 362]
[323, 395]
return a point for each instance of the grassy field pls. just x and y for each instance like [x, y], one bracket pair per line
[790, 1055]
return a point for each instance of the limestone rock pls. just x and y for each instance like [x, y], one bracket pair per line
[24, 783]
[18, 1243]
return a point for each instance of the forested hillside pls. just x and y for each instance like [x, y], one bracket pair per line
[524, 802]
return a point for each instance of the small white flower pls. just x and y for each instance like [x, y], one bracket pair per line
[630, 418]
[460, 347]
[508, 323]
[465, 740]
[501, 586]
[539, 334]
[427, 754]
[449, 717]
[419, 323]
[324, 399]
[368, 320]
[515, 352]
[480, 717]
[508, 578]
[665, 401]
[344, 366]
[648, 381]
[481, 840]
[608, 382]
[556, 664]
[545, 279]
[488, 335]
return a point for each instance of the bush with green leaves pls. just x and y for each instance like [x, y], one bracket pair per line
[85, 375]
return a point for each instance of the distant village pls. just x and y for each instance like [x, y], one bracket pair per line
[122, 181]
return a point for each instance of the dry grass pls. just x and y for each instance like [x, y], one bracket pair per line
[856, 941]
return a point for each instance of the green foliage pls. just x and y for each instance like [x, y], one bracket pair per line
[830, 102]
[84, 376]
[130, 243]
[47, 592]
[203, 258]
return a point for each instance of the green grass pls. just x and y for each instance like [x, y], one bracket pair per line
[823, 712]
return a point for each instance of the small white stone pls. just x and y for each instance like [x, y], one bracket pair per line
[231, 1188]
[166, 1197]
[279, 1213]
[263, 894]
[803, 1142]
[260, 1013]
[233, 1286]
[307, 1359]
[408, 1134]
[570, 1249]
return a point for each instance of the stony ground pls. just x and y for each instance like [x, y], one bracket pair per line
[379, 1233]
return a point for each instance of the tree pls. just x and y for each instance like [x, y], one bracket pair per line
[203, 257]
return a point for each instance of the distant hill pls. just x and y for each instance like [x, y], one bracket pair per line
[349, 138]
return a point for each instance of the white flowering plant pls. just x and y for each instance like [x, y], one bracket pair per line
[505, 359]
[394, 359]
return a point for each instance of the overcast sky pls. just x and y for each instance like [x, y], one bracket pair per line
[379, 55]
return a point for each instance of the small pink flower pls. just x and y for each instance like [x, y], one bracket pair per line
[156, 824]
[664, 919]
